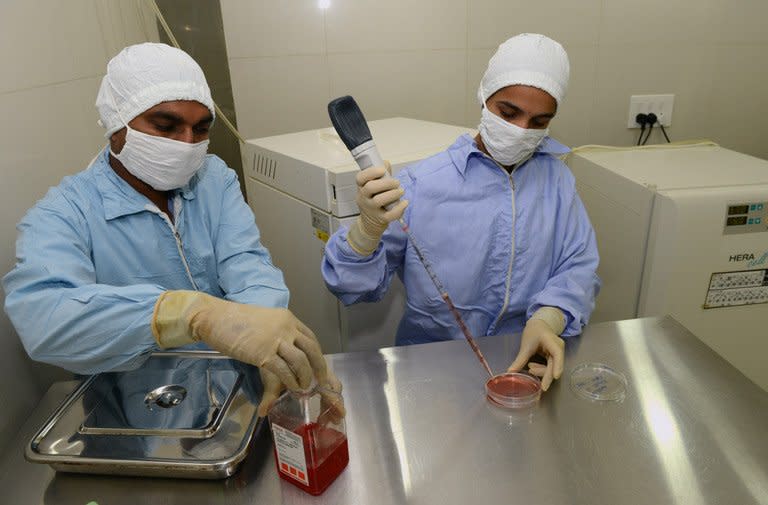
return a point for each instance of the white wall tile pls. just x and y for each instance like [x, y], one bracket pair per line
[478, 62]
[739, 101]
[652, 22]
[379, 52]
[256, 28]
[428, 85]
[48, 42]
[572, 125]
[125, 23]
[491, 22]
[280, 95]
[53, 133]
[374, 25]
[685, 71]
[742, 21]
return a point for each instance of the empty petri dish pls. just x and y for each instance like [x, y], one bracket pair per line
[513, 390]
[598, 381]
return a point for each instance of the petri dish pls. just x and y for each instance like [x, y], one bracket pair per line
[513, 390]
[598, 381]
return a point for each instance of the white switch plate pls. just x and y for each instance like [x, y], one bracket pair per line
[661, 105]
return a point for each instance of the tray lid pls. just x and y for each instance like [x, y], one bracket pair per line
[187, 401]
[183, 407]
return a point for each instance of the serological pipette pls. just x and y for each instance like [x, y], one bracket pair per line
[350, 124]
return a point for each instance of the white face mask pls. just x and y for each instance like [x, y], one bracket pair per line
[507, 143]
[161, 162]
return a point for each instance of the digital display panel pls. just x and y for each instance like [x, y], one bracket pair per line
[736, 221]
[738, 209]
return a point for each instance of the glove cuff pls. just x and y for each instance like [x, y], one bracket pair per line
[360, 240]
[172, 317]
[553, 316]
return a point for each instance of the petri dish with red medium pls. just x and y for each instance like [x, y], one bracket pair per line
[513, 390]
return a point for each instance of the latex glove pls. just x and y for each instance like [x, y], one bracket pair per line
[273, 388]
[332, 405]
[374, 192]
[539, 337]
[270, 338]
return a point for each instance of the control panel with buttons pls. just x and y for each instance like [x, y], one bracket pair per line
[746, 217]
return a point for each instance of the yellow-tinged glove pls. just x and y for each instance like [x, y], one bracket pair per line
[332, 404]
[541, 336]
[375, 191]
[273, 388]
[271, 338]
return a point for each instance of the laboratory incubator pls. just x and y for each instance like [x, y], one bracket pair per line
[683, 231]
[301, 188]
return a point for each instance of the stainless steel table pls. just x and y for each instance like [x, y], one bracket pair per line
[692, 430]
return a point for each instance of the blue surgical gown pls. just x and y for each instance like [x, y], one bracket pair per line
[94, 255]
[502, 244]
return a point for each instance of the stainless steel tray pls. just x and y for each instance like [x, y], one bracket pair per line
[189, 414]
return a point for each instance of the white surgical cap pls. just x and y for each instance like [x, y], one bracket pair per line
[527, 59]
[144, 75]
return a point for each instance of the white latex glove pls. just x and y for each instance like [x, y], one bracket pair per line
[270, 338]
[539, 337]
[375, 190]
[273, 388]
[332, 405]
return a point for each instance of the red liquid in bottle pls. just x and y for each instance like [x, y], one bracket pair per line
[327, 454]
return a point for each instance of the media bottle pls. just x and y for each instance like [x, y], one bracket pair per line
[310, 440]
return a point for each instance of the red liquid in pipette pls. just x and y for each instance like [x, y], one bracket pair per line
[467, 333]
[446, 298]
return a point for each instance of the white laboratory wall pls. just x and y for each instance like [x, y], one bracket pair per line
[424, 59]
[53, 55]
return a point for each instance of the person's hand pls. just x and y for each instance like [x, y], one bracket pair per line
[332, 404]
[269, 338]
[375, 191]
[273, 388]
[539, 338]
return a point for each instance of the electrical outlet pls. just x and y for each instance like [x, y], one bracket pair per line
[661, 105]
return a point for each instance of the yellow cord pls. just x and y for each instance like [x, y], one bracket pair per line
[680, 144]
[175, 43]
